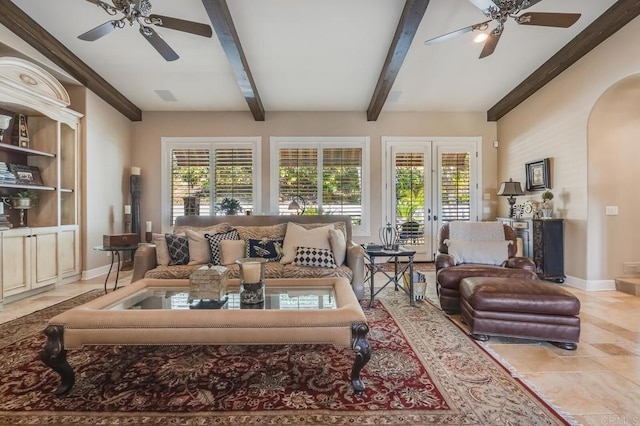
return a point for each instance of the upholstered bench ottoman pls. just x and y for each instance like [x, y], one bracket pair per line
[517, 307]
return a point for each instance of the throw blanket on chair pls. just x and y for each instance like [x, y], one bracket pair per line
[476, 231]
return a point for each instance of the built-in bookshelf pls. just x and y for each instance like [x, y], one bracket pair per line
[39, 149]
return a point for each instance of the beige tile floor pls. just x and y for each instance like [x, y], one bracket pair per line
[598, 384]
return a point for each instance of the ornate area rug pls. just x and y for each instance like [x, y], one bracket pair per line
[423, 370]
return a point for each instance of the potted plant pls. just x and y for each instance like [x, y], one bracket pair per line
[22, 200]
[230, 206]
[547, 196]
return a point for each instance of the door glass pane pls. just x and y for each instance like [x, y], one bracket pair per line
[409, 193]
[456, 187]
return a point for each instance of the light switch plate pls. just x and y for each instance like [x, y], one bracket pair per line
[611, 210]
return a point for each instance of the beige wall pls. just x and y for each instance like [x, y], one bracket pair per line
[554, 123]
[104, 163]
[155, 125]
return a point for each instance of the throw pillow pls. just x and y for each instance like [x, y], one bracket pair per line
[230, 251]
[297, 236]
[484, 252]
[162, 251]
[214, 243]
[178, 249]
[338, 245]
[264, 248]
[199, 251]
[310, 256]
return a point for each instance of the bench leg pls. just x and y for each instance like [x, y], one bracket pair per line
[480, 337]
[361, 347]
[567, 346]
[55, 356]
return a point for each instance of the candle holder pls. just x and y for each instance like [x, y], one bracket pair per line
[251, 280]
[127, 223]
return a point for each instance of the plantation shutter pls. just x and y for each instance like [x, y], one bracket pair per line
[456, 187]
[342, 182]
[233, 177]
[189, 177]
[298, 175]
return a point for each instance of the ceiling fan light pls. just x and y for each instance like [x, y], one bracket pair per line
[480, 38]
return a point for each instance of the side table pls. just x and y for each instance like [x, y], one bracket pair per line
[115, 252]
[398, 270]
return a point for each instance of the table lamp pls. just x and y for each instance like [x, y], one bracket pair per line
[510, 189]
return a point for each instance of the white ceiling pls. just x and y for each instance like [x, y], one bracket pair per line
[313, 55]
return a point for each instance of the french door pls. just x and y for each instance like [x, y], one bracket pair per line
[428, 182]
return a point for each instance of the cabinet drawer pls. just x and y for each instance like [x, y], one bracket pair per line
[520, 225]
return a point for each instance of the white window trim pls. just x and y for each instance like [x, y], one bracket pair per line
[279, 142]
[169, 143]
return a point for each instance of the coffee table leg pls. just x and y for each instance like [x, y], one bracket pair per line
[363, 353]
[55, 356]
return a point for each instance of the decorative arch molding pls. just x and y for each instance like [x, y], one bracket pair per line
[23, 77]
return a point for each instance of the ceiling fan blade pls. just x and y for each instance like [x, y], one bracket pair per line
[196, 28]
[490, 44]
[480, 26]
[561, 20]
[158, 43]
[99, 31]
[483, 4]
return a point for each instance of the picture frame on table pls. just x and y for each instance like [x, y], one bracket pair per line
[26, 175]
[538, 175]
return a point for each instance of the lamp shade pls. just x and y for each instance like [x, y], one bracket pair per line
[510, 188]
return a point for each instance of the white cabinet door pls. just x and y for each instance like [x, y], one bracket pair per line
[44, 256]
[69, 251]
[16, 261]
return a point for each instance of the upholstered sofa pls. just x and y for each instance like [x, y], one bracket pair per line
[150, 261]
[474, 257]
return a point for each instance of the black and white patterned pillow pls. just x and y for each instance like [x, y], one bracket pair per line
[264, 248]
[309, 256]
[178, 249]
[214, 243]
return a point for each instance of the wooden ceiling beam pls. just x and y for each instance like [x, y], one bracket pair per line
[616, 17]
[30, 31]
[410, 19]
[222, 22]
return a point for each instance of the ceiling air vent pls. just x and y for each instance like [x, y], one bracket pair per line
[166, 95]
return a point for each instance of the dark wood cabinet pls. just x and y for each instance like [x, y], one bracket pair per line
[542, 241]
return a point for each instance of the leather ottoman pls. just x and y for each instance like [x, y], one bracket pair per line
[522, 308]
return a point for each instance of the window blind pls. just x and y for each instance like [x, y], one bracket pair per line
[456, 187]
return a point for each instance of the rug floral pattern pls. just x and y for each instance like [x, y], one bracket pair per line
[423, 370]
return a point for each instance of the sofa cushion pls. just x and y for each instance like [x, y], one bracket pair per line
[230, 251]
[178, 272]
[298, 236]
[178, 249]
[264, 248]
[272, 232]
[309, 256]
[483, 252]
[214, 243]
[271, 270]
[293, 271]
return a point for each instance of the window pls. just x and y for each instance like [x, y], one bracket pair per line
[456, 187]
[202, 172]
[323, 176]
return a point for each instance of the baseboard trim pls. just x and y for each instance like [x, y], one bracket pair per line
[96, 272]
[590, 285]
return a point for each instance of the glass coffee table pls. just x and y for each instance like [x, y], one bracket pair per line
[159, 312]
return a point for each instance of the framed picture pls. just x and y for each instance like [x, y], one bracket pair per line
[538, 175]
[26, 175]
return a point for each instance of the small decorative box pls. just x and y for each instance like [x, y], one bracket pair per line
[208, 283]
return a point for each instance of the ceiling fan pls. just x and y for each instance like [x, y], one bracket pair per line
[500, 11]
[139, 11]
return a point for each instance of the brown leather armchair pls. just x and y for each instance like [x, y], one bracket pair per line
[449, 275]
